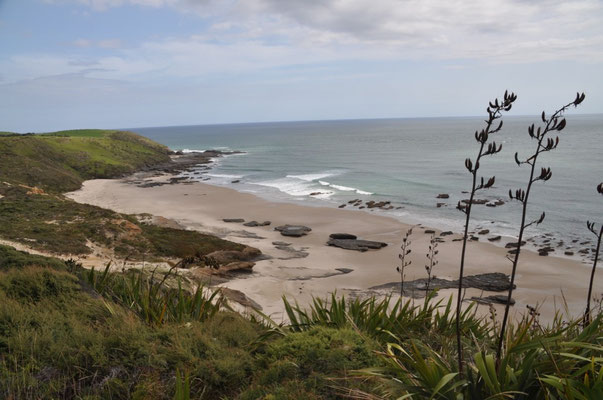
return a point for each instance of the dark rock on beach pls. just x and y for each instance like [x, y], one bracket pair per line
[234, 220]
[443, 196]
[494, 238]
[256, 223]
[494, 299]
[356, 244]
[512, 245]
[293, 230]
[491, 282]
[342, 236]
[236, 267]
[224, 257]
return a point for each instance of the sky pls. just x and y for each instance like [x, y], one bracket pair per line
[67, 64]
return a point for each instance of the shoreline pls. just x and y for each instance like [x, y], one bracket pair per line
[577, 248]
[549, 281]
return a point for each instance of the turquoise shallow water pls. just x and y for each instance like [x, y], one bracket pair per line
[408, 162]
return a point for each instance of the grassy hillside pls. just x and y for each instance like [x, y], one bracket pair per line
[53, 223]
[60, 161]
[65, 334]
[70, 333]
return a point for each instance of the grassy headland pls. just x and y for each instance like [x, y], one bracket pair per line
[60, 161]
[36, 169]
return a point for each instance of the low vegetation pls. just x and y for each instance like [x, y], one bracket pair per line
[53, 223]
[67, 332]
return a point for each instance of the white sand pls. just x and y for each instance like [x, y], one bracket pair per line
[540, 280]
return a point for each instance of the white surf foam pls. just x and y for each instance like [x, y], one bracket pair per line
[345, 188]
[225, 176]
[312, 177]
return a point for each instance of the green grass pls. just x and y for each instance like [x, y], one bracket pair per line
[70, 333]
[59, 225]
[80, 133]
[60, 161]
[63, 335]
[11, 258]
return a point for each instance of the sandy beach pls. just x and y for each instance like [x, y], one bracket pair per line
[548, 282]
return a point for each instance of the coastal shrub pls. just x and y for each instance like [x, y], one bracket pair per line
[182, 243]
[380, 318]
[56, 224]
[34, 284]
[314, 362]
[558, 362]
[11, 258]
[152, 297]
[65, 342]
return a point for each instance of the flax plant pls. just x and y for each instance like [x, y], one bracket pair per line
[432, 261]
[486, 148]
[403, 261]
[152, 299]
[591, 227]
[554, 123]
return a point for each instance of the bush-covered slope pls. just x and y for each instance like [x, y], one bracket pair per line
[68, 333]
[53, 223]
[60, 161]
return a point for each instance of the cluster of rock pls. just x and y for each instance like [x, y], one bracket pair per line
[371, 204]
[463, 203]
[194, 163]
[249, 224]
[546, 243]
[351, 242]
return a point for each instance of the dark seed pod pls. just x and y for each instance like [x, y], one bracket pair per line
[561, 125]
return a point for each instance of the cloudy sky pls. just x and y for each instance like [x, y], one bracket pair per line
[134, 63]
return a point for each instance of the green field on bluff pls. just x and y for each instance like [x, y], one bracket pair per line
[61, 161]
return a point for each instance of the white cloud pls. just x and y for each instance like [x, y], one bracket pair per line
[256, 35]
[501, 31]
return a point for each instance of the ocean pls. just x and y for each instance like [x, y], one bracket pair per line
[409, 162]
